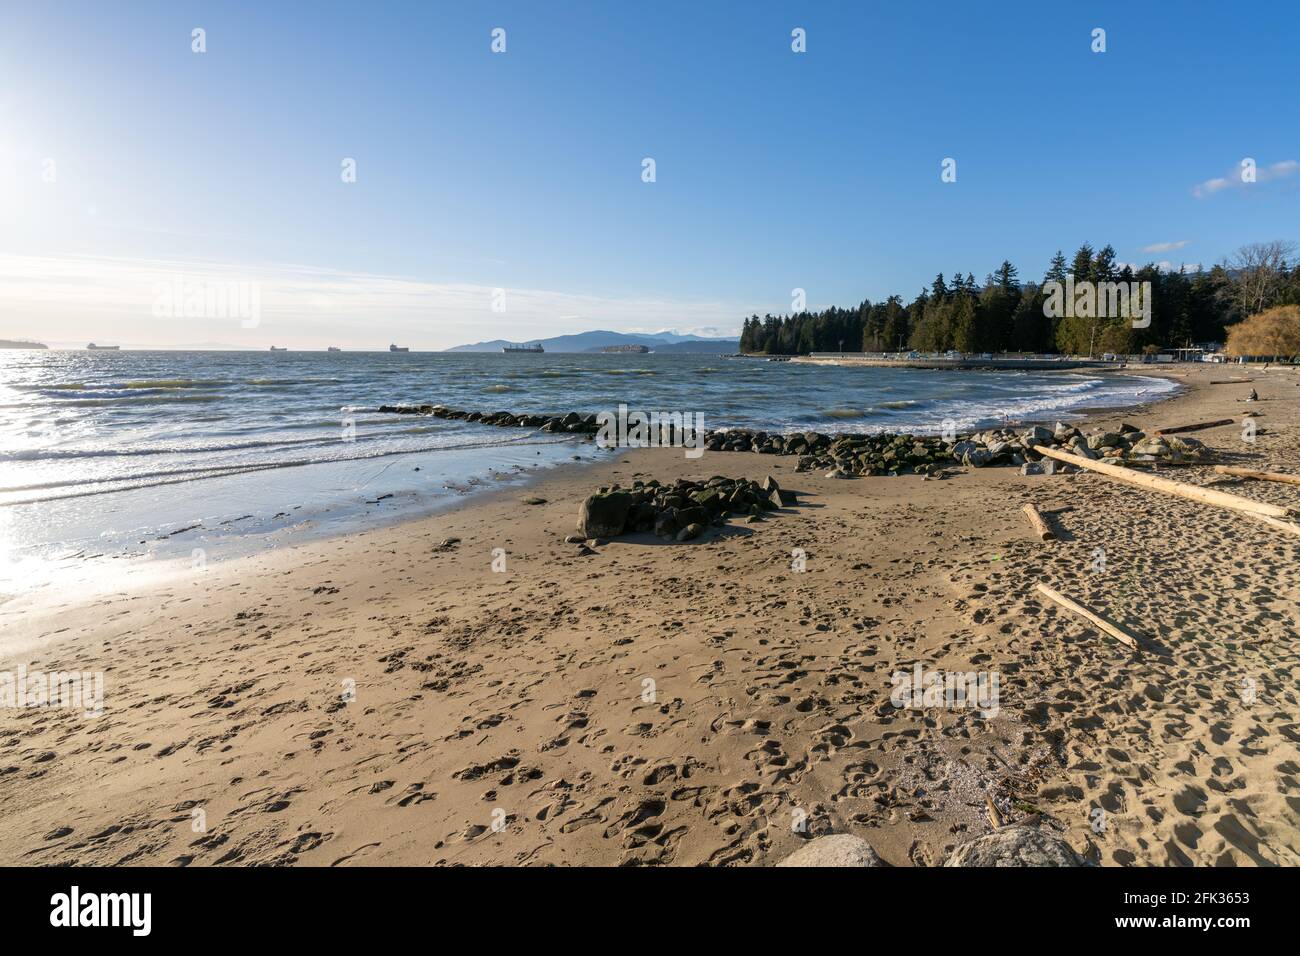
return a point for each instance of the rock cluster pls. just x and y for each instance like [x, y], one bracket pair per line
[885, 453]
[571, 422]
[681, 511]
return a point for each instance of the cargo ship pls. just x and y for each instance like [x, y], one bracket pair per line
[398, 348]
[635, 349]
[535, 349]
[92, 347]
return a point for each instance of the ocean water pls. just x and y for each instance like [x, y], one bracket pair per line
[153, 453]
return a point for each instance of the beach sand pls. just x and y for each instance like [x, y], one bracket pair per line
[698, 703]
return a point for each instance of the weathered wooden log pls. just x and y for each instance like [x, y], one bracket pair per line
[1232, 381]
[1199, 426]
[1288, 526]
[1039, 525]
[1108, 626]
[1208, 496]
[1259, 475]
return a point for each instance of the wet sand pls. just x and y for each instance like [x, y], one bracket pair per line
[696, 703]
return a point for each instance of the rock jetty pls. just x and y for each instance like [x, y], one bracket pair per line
[850, 455]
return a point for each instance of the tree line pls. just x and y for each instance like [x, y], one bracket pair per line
[1003, 314]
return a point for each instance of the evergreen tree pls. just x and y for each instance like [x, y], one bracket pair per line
[1081, 267]
[1103, 266]
[1004, 314]
[1006, 277]
[1056, 271]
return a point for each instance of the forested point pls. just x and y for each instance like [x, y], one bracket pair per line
[1005, 315]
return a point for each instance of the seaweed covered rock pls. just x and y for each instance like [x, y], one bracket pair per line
[681, 511]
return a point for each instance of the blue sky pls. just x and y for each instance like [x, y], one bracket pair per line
[522, 170]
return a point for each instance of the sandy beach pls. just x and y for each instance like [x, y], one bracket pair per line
[396, 697]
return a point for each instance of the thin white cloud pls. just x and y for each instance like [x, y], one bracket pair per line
[70, 299]
[1234, 180]
[1158, 247]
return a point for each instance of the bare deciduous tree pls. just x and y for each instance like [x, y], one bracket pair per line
[1259, 269]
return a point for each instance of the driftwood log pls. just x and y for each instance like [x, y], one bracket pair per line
[1258, 475]
[1208, 496]
[1039, 525]
[1104, 624]
[1199, 426]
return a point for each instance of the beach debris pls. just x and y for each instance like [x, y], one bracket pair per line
[1015, 846]
[1209, 496]
[1199, 426]
[534, 500]
[1037, 523]
[836, 849]
[1258, 475]
[447, 544]
[1105, 624]
[574, 539]
[995, 818]
[680, 511]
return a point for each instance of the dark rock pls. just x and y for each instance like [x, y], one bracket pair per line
[691, 532]
[693, 515]
[604, 515]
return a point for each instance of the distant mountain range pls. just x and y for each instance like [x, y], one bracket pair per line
[599, 339]
[20, 344]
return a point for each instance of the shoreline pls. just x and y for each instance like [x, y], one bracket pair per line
[521, 690]
[169, 525]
